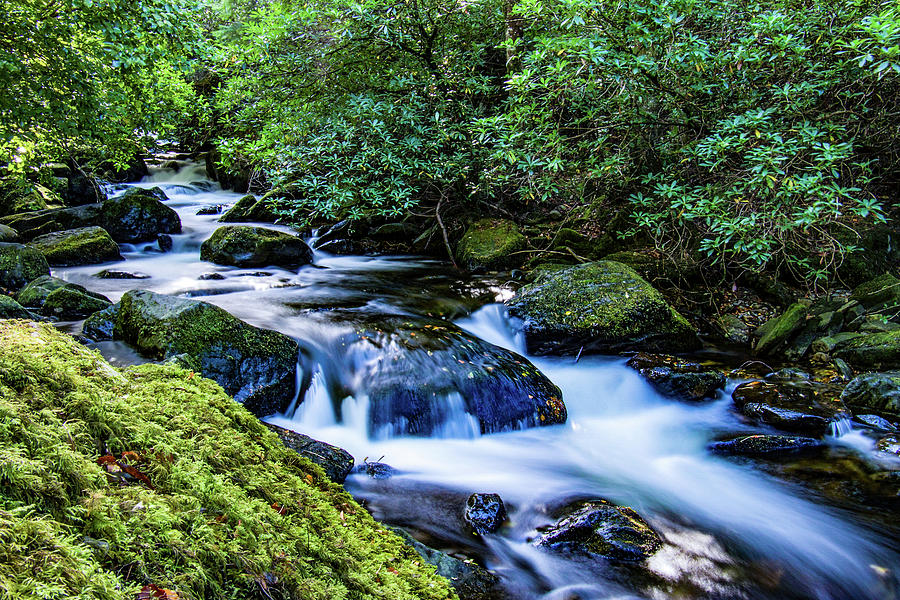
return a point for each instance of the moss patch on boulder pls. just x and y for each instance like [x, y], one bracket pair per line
[82, 246]
[70, 303]
[246, 246]
[10, 309]
[489, 244]
[249, 209]
[878, 350]
[114, 480]
[138, 215]
[20, 265]
[8, 235]
[602, 306]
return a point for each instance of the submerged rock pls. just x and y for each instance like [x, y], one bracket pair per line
[20, 265]
[767, 446]
[598, 307]
[139, 215]
[375, 469]
[255, 366]
[485, 513]
[805, 407]
[72, 302]
[72, 247]
[678, 378]
[603, 530]
[336, 462]
[490, 244]
[246, 246]
[10, 309]
[117, 274]
[875, 391]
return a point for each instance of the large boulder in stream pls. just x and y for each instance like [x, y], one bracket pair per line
[20, 265]
[428, 377]
[73, 247]
[71, 303]
[139, 215]
[246, 246]
[249, 209]
[599, 307]
[39, 222]
[256, 366]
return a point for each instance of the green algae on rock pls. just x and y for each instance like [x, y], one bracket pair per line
[10, 309]
[597, 307]
[8, 235]
[20, 265]
[489, 244]
[875, 391]
[72, 247]
[877, 350]
[223, 510]
[70, 303]
[256, 366]
[246, 246]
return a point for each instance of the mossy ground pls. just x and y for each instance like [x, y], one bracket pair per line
[225, 512]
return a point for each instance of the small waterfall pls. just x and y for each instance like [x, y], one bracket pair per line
[841, 426]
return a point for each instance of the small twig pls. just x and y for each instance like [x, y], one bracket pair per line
[578, 357]
[440, 222]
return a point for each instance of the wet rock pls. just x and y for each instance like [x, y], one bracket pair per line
[678, 378]
[139, 215]
[889, 444]
[803, 407]
[255, 366]
[8, 235]
[10, 309]
[830, 343]
[116, 274]
[603, 530]
[35, 293]
[767, 446]
[734, 329]
[485, 513]
[375, 469]
[775, 333]
[164, 241]
[879, 392]
[36, 223]
[876, 422]
[874, 350]
[82, 246]
[72, 302]
[211, 277]
[788, 375]
[20, 265]
[469, 580]
[881, 290]
[99, 326]
[246, 246]
[336, 462]
[598, 307]
[491, 244]
[215, 209]
[249, 209]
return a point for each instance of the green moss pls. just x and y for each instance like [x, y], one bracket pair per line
[20, 265]
[248, 209]
[8, 235]
[10, 309]
[777, 331]
[246, 246]
[82, 246]
[489, 244]
[70, 303]
[885, 288]
[206, 528]
[876, 350]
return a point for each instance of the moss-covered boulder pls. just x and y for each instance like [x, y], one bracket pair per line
[490, 244]
[10, 309]
[8, 235]
[138, 215]
[82, 246]
[797, 406]
[247, 246]
[35, 293]
[602, 530]
[256, 366]
[20, 265]
[877, 351]
[598, 307]
[776, 332]
[33, 224]
[678, 378]
[879, 392]
[154, 476]
[72, 302]
[249, 209]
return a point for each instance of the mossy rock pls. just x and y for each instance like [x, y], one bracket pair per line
[249, 209]
[8, 235]
[153, 475]
[678, 378]
[82, 246]
[881, 290]
[139, 215]
[70, 303]
[20, 265]
[878, 392]
[877, 350]
[247, 246]
[597, 307]
[336, 462]
[603, 530]
[775, 333]
[33, 224]
[99, 326]
[35, 293]
[10, 309]
[256, 366]
[19, 196]
[489, 244]
[798, 406]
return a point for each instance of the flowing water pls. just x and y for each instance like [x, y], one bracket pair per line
[730, 530]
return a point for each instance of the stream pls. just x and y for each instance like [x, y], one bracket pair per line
[730, 529]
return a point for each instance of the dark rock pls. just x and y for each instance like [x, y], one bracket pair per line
[876, 422]
[211, 277]
[491, 244]
[889, 444]
[234, 179]
[485, 513]
[257, 274]
[734, 329]
[33, 224]
[70, 303]
[215, 209]
[767, 446]
[139, 215]
[336, 462]
[82, 189]
[879, 392]
[164, 241]
[99, 326]
[10, 309]
[8, 235]
[116, 274]
[72, 247]
[20, 265]
[881, 290]
[603, 530]
[469, 580]
[247, 246]
[134, 170]
[804, 407]
[788, 375]
[255, 366]
[598, 307]
[678, 378]
[830, 343]
[375, 470]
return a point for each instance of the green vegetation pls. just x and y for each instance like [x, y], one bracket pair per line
[112, 480]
